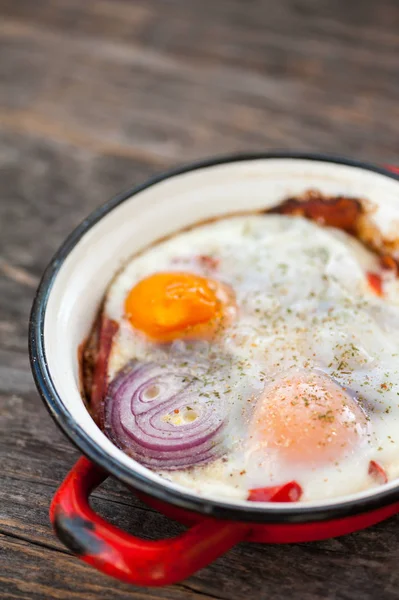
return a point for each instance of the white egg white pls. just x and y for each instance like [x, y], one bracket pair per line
[304, 302]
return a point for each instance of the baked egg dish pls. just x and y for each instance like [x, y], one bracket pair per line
[255, 357]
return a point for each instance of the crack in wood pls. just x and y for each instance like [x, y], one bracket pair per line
[98, 495]
[183, 586]
[207, 594]
[38, 543]
[39, 125]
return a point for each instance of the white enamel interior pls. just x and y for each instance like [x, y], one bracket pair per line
[160, 210]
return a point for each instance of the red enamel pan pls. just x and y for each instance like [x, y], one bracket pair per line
[65, 306]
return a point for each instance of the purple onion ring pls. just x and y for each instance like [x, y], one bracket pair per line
[161, 416]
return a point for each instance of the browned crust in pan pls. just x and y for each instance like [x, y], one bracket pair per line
[342, 212]
[339, 211]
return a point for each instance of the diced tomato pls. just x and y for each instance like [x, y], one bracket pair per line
[209, 262]
[388, 263]
[375, 282]
[377, 472]
[288, 492]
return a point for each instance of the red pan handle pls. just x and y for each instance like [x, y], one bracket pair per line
[116, 553]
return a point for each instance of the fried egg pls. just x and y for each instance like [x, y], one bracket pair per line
[310, 347]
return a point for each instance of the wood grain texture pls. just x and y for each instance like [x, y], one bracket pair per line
[96, 96]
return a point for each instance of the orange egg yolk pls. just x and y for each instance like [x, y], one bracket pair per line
[308, 419]
[166, 306]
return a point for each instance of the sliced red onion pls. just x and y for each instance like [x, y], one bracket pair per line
[143, 401]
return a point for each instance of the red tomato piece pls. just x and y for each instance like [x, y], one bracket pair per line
[208, 262]
[377, 472]
[288, 492]
[375, 282]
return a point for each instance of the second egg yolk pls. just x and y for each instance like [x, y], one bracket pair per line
[170, 305]
[308, 419]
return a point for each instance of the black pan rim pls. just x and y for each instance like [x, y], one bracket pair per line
[62, 417]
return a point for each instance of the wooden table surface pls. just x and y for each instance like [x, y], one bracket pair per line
[96, 95]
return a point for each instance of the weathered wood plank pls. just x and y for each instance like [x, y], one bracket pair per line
[56, 578]
[142, 94]
[96, 96]
[363, 561]
[25, 504]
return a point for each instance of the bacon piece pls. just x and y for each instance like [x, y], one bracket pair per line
[375, 282]
[106, 332]
[288, 492]
[88, 355]
[377, 472]
[338, 211]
